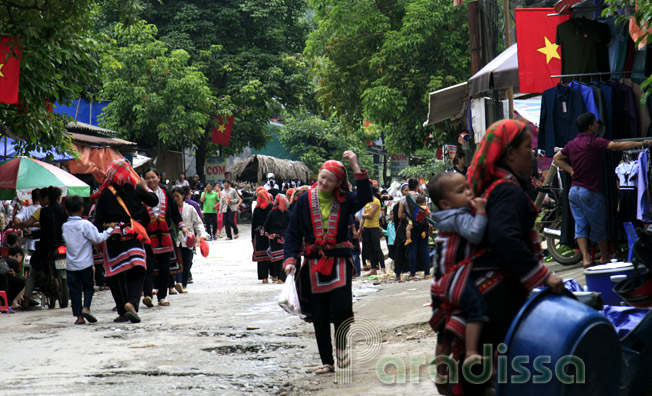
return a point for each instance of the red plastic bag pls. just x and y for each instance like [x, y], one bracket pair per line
[203, 248]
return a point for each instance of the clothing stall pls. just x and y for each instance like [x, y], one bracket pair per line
[602, 69]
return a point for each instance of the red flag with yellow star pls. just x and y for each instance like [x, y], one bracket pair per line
[9, 69]
[538, 55]
[222, 132]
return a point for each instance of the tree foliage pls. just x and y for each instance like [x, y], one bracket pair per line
[61, 54]
[251, 53]
[316, 140]
[156, 97]
[378, 60]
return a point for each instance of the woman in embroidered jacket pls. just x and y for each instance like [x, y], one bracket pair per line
[320, 218]
[121, 199]
[193, 222]
[159, 229]
[275, 225]
[259, 240]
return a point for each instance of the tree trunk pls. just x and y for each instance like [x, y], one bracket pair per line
[201, 153]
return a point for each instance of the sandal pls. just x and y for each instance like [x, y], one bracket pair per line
[325, 369]
[121, 319]
[344, 361]
[88, 316]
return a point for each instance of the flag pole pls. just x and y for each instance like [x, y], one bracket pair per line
[509, 92]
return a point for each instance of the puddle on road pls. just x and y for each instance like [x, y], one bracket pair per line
[250, 348]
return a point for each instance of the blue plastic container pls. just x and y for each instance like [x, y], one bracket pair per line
[549, 328]
[598, 279]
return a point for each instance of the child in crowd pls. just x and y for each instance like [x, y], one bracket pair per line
[79, 235]
[421, 202]
[459, 230]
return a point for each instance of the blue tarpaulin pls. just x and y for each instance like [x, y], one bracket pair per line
[38, 154]
[82, 111]
[624, 319]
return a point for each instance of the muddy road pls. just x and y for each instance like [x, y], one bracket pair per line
[227, 336]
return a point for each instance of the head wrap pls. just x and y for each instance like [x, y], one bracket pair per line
[337, 169]
[120, 173]
[289, 193]
[263, 198]
[493, 147]
[281, 202]
[297, 192]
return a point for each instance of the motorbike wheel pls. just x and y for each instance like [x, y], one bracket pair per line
[563, 254]
[63, 292]
[52, 301]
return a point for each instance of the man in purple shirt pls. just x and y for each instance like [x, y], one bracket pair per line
[586, 196]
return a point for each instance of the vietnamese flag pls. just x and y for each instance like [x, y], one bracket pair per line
[538, 55]
[222, 132]
[9, 69]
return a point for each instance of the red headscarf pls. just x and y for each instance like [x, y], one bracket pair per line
[337, 169]
[120, 173]
[281, 202]
[493, 147]
[289, 193]
[263, 198]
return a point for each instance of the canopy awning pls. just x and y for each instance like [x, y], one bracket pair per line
[447, 103]
[500, 73]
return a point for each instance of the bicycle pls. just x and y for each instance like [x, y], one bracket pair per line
[551, 218]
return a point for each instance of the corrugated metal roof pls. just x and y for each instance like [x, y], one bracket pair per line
[81, 127]
[99, 140]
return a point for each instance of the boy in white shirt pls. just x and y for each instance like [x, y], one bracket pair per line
[80, 235]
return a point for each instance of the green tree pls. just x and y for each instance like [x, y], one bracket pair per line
[316, 140]
[251, 54]
[61, 54]
[155, 97]
[378, 60]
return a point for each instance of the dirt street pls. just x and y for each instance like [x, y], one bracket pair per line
[227, 336]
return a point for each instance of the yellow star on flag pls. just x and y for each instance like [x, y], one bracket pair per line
[1, 66]
[550, 50]
[221, 128]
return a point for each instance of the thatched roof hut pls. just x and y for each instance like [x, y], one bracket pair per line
[255, 169]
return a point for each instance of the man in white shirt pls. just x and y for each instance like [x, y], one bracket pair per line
[26, 213]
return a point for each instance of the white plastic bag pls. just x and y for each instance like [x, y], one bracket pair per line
[289, 299]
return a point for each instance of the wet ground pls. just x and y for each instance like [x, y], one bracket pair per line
[227, 336]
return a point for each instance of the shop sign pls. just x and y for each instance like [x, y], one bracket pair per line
[398, 162]
[214, 170]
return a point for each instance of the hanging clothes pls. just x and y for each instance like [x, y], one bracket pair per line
[627, 173]
[560, 107]
[587, 96]
[642, 110]
[618, 47]
[643, 210]
[583, 47]
[608, 116]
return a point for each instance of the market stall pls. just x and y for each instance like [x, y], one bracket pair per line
[255, 168]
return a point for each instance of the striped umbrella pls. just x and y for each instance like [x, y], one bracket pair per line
[19, 176]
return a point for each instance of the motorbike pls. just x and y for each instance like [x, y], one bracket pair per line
[55, 285]
[245, 208]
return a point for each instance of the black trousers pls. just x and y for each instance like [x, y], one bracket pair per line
[127, 287]
[12, 285]
[263, 269]
[99, 275]
[335, 306]
[210, 222]
[371, 249]
[80, 282]
[162, 262]
[228, 219]
[187, 256]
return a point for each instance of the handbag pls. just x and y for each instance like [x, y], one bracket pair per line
[4, 267]
[135, 227]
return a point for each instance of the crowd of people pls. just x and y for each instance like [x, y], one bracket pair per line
[135, 236]
[485, 257]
